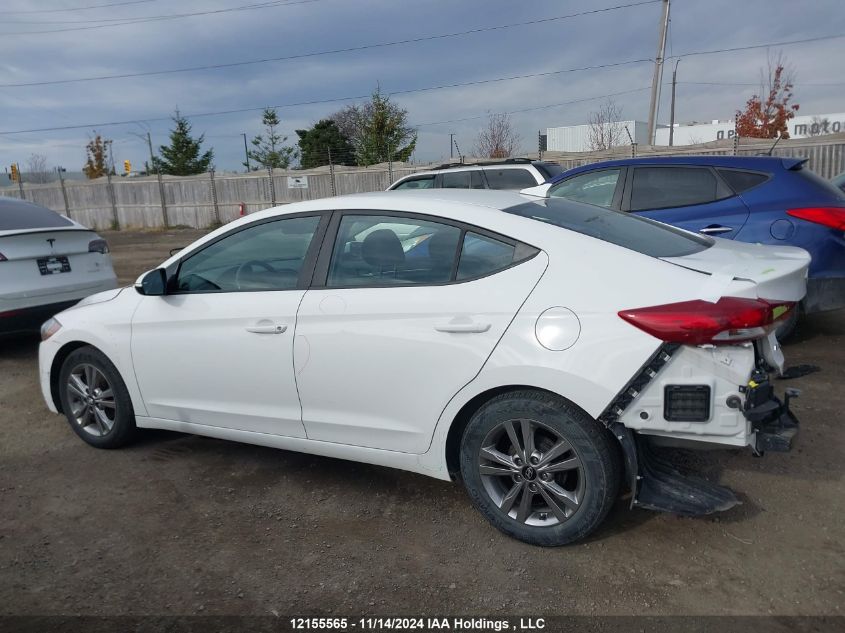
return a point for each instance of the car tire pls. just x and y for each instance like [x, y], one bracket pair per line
[555, 494]
[95, 400]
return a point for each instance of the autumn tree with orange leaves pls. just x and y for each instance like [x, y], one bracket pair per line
[769, 118]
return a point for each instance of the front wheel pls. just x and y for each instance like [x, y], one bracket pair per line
[539, 468]
[95, 399]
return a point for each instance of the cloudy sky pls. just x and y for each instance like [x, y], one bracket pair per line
[40, 44]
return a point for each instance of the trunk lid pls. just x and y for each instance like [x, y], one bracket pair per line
[777, 273]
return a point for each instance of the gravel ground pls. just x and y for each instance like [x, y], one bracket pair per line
[178, 524]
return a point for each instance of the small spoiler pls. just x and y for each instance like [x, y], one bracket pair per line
[540, 191]
[793, 164]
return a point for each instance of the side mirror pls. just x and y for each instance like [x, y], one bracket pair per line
[153, 283]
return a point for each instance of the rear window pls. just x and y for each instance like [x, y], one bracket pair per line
[741, 181]
[549, 170]
[825, 185]
[628, 231]
[16, 215]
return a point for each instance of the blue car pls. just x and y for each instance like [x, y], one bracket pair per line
[759, 199]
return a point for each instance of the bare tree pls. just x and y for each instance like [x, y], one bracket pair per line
[606, 131]
[497, 139]
[36, 167]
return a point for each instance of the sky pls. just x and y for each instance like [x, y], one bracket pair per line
[58, 40]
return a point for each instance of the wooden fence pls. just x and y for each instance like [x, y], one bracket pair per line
[207, 199]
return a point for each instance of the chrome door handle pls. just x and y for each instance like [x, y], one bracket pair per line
[715, 229]
[266, 329]
[472, 327]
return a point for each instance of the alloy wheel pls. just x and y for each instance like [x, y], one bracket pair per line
[531, 472]
[91, 399]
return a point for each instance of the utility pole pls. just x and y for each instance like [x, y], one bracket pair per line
[658, 72]
[672, 111]
[150, 145]
[451, 145]
[160, 183]
[246, 153]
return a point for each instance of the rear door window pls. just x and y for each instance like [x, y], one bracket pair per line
[665, 187]
[481, 255]
[455, 180]
[509, 178]
[594, 187]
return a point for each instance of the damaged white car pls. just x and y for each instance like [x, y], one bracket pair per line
[532, 348]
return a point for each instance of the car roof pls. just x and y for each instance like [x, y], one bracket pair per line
[441, 170]
[761, 163]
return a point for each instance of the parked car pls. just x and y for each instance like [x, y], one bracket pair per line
[513, 174]
[531, 352]
[47, 263]
[759, 199]
[839, 181]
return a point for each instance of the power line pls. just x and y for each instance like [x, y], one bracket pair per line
[767, 45]
[349, 49]
[533, 108]
[150, 18]
[161, 18]
[93, 6]
[348, 98]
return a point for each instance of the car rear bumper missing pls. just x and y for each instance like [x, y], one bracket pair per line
[775, 426]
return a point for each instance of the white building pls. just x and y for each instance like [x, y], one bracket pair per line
[576, 138]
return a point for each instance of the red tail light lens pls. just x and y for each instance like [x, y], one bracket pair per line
[729, 320]
[834, 217]
[98, 246]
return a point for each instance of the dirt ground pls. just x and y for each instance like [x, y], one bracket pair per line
[178, 524]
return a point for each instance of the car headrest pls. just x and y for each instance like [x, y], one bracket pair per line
[382, 248]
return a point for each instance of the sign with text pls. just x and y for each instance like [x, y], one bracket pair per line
[297, 182]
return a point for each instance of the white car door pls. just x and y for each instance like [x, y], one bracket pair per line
[217, 349]
[402, 324]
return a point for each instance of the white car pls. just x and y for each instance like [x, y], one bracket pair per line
[509, 174]
[533, 348]
[47, 263]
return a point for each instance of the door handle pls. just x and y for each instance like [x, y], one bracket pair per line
[715, 229]
[471, 327]
[266, 329]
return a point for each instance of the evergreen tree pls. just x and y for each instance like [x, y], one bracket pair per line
[314, 145]
[182, 157]
[270, 150]
[96, 154]
[382, 131]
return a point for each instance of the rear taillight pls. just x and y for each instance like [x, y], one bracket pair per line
[834, 217]
[729, 320]
[98, 246]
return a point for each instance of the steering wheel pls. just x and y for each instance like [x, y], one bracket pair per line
[250, 264]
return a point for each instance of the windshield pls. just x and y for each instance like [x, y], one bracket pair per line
[628, 231]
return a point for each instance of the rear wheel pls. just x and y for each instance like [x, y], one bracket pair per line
[539, 468]
[95, 400]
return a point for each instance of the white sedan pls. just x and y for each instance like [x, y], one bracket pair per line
[535, 349]
[47, 263]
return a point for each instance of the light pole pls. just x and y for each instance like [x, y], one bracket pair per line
[672, 111]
